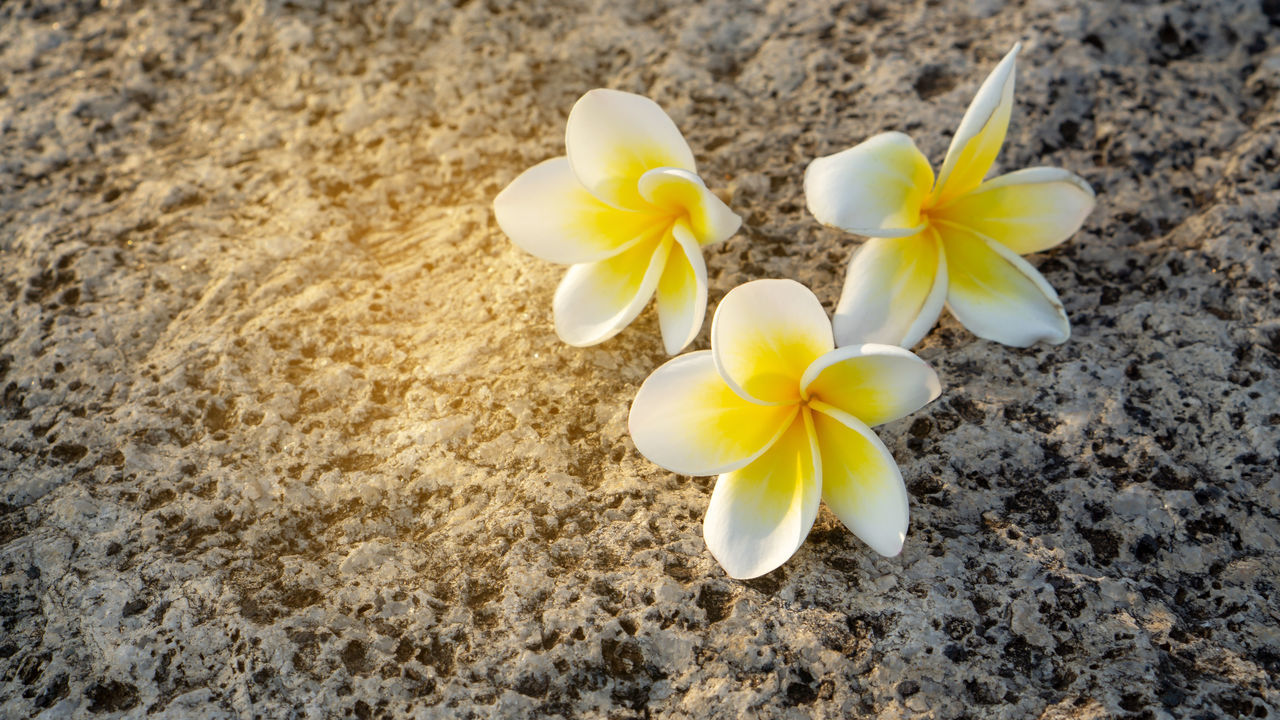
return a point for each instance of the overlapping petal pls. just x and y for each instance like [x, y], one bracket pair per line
[763, 336]
[861, 482]
[596, 300]
[687, 420]
[981, 133]
[682, 291]
[998, 295]
[874, 383]
[760, 515]
[614, 137]
[874, 188]
[681, 194]
[894, 290]
[548, 213]
[1026, 211]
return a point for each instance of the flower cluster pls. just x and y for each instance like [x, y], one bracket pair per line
[781, 407]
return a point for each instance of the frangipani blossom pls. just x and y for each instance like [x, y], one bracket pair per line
[628, 212]
[784, 418]
[956, 240]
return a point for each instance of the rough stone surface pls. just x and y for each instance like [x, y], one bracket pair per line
[285, 430]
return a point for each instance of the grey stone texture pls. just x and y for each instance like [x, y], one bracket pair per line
[286, 432]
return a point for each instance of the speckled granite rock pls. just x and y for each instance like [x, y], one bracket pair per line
[286, 431]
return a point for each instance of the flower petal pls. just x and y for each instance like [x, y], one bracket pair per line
[861, 482]
[874, 383]
[998, 295]
[1026, 211]
[548, 213]
[687, 420]
[760, 515]
[893, 291]
[682, 291]
[596, 300]
[874, 188]
[981, 133]
[763, 336]
[679, 192]
[614, 137]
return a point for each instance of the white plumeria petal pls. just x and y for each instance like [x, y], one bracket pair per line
[874, 188]
[614, 137]
[874, 383]
[682, 291]
[998, 295]
[763, 336]
[546, 212]
[1026, 211]
[861, 482]
[681, 193]
[597, 300]
[981, 133]
[893, 292]
[687, 420]
[760, 515]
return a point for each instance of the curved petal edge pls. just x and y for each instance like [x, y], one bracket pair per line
[685, 419]
[875, 188]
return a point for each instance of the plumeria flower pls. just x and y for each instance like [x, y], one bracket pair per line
[956, 240]
[784, 418]
[627, 210]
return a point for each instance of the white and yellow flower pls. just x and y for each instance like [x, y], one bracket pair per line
[784, 418]
[628, 212]
[956, 240]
